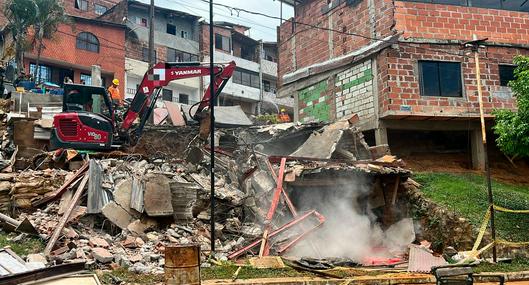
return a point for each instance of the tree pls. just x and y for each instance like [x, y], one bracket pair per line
[50, 14]
[512, 127]
[20, 15]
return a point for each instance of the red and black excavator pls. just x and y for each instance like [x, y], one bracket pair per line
[89, 122]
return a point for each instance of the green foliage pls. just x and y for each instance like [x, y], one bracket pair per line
[23, 247]
[512, 128]
[268, 119]
[41, 16]
[467, 195]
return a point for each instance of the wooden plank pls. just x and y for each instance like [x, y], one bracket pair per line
[395, 190]
[67, 213]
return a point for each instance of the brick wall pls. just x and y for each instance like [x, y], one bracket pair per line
[436, 21]
[111, 56]
[69, 6]
[204, 38]
[399, 90]
[354, 91]
[303, 45]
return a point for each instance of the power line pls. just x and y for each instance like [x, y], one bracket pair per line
[242, 19]
[313, 26]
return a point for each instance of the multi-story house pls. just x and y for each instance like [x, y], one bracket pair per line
[255, 78]
[399, 64]
[80, 44]
[176, 39]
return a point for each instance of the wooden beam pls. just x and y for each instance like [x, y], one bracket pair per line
[64, 219]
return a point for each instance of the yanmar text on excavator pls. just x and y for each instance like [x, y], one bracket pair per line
[88, 120]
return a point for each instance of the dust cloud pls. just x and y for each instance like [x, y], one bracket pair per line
[351, 230]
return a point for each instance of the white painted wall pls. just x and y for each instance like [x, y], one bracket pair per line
[135, 70]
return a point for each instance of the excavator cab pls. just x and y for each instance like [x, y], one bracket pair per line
[86, 121]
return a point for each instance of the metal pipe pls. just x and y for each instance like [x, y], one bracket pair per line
[151, 36]
[212, 99]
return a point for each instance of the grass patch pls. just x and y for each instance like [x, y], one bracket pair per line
[23, 247]
[123, 275]
[466, 194]
[227, 271]
[514, 266]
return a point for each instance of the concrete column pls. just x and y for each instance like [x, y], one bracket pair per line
[96, 75]
[381, 136]
[478, 150]
[96, 81]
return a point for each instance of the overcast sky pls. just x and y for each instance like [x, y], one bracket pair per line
[261, 27]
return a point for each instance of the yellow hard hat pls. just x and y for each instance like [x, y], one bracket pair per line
[283, 110]
[115, 82]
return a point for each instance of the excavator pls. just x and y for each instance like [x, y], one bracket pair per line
[88, 120]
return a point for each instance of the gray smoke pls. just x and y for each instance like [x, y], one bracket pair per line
[350, 230]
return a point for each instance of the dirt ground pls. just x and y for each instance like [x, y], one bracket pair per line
[501, 169]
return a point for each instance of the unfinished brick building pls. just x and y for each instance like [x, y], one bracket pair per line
[399, 64]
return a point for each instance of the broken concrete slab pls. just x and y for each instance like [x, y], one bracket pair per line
[37, 257]
[102, 255]
[157, 195]
[138, 227]
[322, 144]
[117, 215]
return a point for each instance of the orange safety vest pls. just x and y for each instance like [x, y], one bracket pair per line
[114, 93]
[284, 118]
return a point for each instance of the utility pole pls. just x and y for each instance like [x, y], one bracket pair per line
[152, 58]
[474, 47]
[213, 91]
[261, 95]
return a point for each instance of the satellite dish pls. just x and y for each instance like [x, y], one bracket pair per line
[10, 73]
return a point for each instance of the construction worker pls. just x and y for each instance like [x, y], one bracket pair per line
[114, 93]
[283, 117]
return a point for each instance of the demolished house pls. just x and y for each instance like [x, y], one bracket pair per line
[289, 189]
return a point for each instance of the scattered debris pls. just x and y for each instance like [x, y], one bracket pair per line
[130, 210]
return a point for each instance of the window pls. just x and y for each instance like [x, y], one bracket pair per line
[141, 21]
[506, 74]
[180, 56]
[222, 43]
[44, 73]
[100, 9]
[266, 86]
[171, 29]
[440, 79]
[81, 5]
[145, 55]
[87, 79]
[183, 98]
[184, 35]
[87, 41]
[246, 77]
[167, 95]
[237, 77]
[514, 5]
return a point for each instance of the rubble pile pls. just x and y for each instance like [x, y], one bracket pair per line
[125, 209]
[7, 148]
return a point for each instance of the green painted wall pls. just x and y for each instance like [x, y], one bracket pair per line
[315, 100]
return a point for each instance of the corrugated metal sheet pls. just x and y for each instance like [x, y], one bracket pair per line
[97, 196]
[11, 263]
[422, 260]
